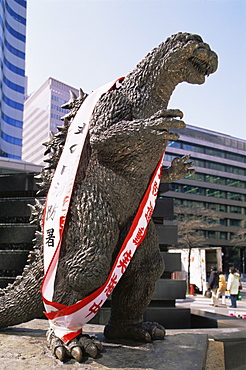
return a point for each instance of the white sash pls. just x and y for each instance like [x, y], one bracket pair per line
[67, 321]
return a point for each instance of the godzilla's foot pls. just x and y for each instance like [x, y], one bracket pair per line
[144, 331]
[80, 347]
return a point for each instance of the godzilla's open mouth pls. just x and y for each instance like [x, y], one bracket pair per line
[201, 66]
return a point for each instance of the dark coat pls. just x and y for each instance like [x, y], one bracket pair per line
[214, 280]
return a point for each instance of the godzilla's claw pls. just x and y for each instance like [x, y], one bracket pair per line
[91, 345]
[60, 353]
[77, 353]
[80, 347]
[178, 169]
[145, 331]
[169, 113]
[160, 123]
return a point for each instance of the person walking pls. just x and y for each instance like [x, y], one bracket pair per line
[213, 285]
[222, 287]
[232, 286]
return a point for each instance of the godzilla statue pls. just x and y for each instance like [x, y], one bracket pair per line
[128, 132]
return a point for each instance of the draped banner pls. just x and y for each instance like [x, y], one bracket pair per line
[67, 321]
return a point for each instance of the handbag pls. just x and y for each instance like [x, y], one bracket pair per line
[208, 294]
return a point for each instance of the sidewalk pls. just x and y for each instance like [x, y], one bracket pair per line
[200, 302]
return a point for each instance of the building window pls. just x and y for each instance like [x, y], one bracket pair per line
[235, 209]
[14, 51]
[13, 86]
[223, 235]
[215, 179]
[235, 196]
[11, 139]
[11, 121]
[236, 183]
[13, 103]
[215, 193]
[235, 170]
[235, 157]
[187, 189]
[16, 16]
[21, 2]
[13, 68]
[14, 33]
[193, 148]
[211, 234]
[234, 222]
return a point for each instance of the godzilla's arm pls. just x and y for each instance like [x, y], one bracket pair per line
[133, 136]
[179, 169]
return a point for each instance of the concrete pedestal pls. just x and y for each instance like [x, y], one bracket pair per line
[23, 347]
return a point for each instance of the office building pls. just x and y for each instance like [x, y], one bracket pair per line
[42, 115]
[12, 76]
[219, 184]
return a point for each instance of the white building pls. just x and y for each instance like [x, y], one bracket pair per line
[42, 114]
[12, 76]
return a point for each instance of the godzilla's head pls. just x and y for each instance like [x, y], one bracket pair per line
[188, 58]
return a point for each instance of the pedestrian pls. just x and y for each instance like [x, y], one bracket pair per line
[232, 286]
[222, 287]
[213, 284]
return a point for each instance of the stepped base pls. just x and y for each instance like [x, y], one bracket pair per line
[169, 317]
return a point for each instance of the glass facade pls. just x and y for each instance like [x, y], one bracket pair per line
[219, 183]
[12, 76]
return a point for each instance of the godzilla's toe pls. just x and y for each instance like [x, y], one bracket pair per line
[60, 353]
[158, 333]
[91, 350]
[91, 345]
[76, 353]
[98, 344]
[145, 336]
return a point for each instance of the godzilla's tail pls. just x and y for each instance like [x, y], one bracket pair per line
[21, 301]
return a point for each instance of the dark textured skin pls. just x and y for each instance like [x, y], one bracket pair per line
[128, 133]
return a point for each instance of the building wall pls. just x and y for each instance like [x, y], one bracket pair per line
[42, 115]
[219, 183]
[12, 76]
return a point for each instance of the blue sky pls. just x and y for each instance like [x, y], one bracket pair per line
[86, 43]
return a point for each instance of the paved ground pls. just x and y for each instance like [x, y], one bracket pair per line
[202, 303]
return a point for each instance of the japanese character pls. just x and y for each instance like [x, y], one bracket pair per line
[73, 148]
[150, 210]
[51, 212]
[63, 169]
[80, 129]
[139, 236]
[123, 263]
[94, 308]
[111, 285]
[155, 189]
[50, 237]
